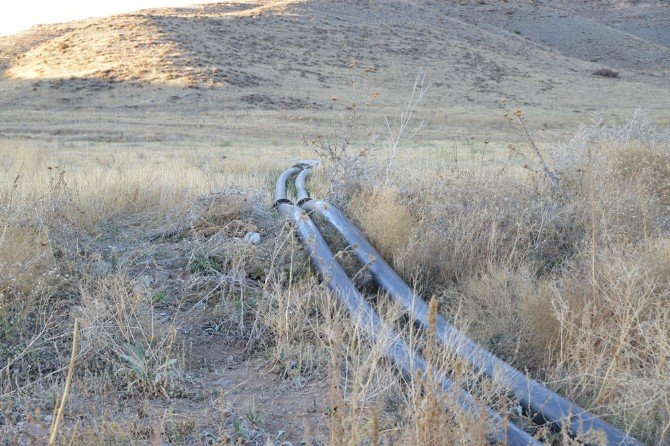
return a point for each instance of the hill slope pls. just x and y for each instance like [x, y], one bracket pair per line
[269, 57]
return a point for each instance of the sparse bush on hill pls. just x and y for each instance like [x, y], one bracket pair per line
[606, 72]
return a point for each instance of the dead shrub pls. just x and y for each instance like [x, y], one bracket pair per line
[613, 348]
[644, 167]
[571, 285]
[618, 177]
[223, 211]
[119, 330]
[506, 312]
[606, 72]
[473, 220]
[381, 213]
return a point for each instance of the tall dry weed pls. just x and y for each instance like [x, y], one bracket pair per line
[570, 284]
[382, 214]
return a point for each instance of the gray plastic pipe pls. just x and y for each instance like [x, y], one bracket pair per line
[539, 403]
[303, 193]
[407, 361]
[280, 188]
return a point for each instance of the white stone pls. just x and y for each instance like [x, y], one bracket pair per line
[253, 237]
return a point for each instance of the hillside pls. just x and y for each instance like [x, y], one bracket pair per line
[279, 62]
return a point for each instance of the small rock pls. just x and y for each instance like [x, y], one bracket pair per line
[252, 237]
[223, 382]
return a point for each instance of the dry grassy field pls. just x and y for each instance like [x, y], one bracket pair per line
[472, 143]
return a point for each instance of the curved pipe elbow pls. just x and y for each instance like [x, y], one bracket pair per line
[280, 187]
[300, 185]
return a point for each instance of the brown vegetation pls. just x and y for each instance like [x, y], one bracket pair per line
[137, 158]
[571, 285]
[606, 72]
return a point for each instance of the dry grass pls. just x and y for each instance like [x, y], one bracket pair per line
[262, 69]
[106, 238]
[367, 400]
[376, 207]
[568, 283]
[146, 249]
[192, 334]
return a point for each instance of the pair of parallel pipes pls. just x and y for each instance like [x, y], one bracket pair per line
[540, 404]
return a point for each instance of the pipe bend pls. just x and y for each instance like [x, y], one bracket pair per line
[300, 185]
[280, 187]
